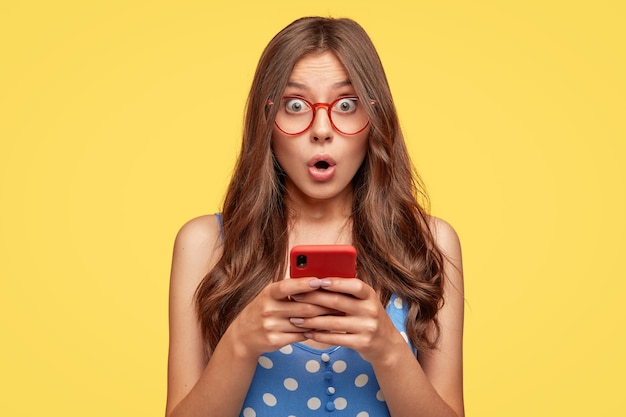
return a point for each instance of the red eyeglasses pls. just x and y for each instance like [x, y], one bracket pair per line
[296, 115]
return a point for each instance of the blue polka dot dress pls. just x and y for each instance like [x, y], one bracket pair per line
[300, 381]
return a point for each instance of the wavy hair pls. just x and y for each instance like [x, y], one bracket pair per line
[397, 253]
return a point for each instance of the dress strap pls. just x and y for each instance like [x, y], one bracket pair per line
[220, 221]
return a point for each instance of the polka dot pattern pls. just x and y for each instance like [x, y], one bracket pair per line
[379, 396]
[290, 384]
[340, 403]
[361, 380]
[314, 403]
[339, 366]
[312, 366]
[287, 350]
[266, 362]
[269, 399]
[298, 380]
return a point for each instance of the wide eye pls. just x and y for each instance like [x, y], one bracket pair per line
[295, 105]
[346, 105]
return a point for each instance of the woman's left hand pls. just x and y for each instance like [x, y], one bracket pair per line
[362, 323]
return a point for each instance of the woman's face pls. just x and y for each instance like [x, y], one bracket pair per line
[320, 162]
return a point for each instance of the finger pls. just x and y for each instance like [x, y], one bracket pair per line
[288, 287]
[280, 325]
[303, 309]
[351, 286]
[278, 341]
[332, 323]
[333, 301]
[333, 338]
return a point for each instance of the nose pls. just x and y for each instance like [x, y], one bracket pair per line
[322, 128]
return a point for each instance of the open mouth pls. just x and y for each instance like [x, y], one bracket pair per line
[321, 168]
[322, 165]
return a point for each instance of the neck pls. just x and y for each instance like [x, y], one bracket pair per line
[313, 221]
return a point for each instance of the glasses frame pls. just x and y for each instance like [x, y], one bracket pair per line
[314, 107]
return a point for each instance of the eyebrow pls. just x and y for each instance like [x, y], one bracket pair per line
[301, 86]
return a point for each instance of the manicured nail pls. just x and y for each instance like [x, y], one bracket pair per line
[297, 297]
[296, 321]
[308, 335]
[315, 283]
[325, 283]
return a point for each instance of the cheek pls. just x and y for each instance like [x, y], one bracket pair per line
[359, 147]
[283, 148]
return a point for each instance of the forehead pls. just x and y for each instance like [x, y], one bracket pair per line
[321, 69]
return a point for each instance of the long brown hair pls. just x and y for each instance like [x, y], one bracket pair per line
[396, 250]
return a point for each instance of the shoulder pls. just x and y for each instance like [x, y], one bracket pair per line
[447, 240]
[445, 236]
[201, 231]
[197, 247]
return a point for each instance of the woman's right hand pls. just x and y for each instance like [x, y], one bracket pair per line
[265, 324]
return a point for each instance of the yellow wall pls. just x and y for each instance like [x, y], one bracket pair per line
[120, 120]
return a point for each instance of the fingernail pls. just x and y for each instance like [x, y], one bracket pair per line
[296, 321]
[308, 335]
[325, 283]
[297, 297]
[315, 283]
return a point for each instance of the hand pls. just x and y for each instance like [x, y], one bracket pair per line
[363, 324]
[264, 325]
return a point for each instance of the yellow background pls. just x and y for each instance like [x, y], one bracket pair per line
[120, 120]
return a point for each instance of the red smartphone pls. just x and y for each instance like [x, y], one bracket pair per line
[322, 261]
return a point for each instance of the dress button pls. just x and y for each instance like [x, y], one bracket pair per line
[330, 390]
[325, 357]
[328, 375]
[330, 406]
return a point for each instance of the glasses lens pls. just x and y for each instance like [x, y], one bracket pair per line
[296, 115]
[348, 115]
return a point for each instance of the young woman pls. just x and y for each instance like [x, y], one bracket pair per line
[323, 161]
